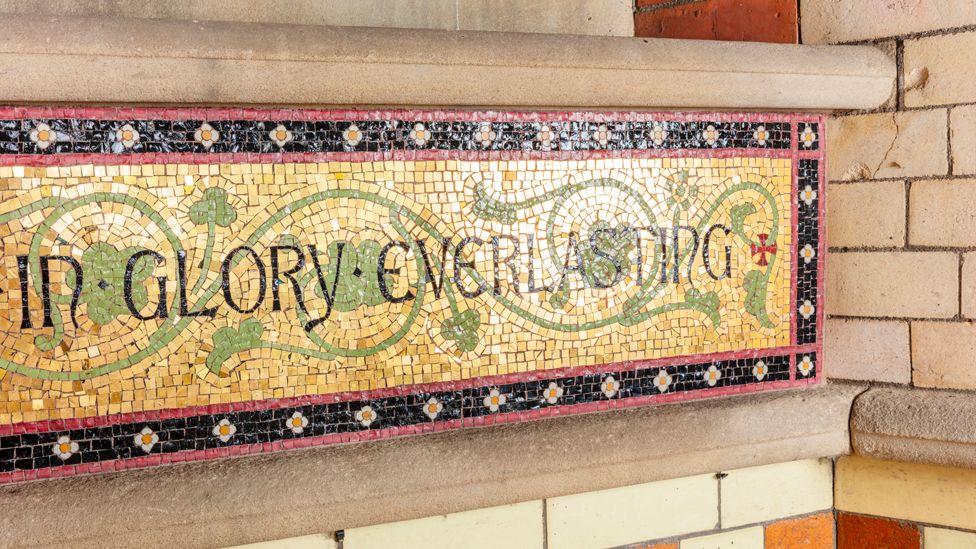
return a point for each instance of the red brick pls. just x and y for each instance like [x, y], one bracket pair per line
[861, 532]
[736, 20]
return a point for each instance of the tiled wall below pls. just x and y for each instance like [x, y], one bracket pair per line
[777, 506]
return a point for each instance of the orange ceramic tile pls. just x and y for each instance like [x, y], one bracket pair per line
[863, 532]
[813, 532]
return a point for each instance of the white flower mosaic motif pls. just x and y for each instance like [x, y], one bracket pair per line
[297, 423]
[366, 416]
[352, 135]
[224, 430]
[420, 134]
[43, 136]
[759, 369]
[663, 380]
[552, 393]
[808, 195]
[808, 253]
[602, 135]
[808, 137]
[206, 135]
[658, 134]
[807, 309]
[127, 136]
[432, 408]
[712, 375]
[484, 135]
[146, 439]
[761, 135]
[805, 366]
[546, 137]
[710, 135]
[280, 135]
[610, 387]
[494, 400]
[64, 448]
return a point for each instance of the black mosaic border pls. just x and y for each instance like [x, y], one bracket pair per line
[35, 451]
[99, 136]
[808, 234]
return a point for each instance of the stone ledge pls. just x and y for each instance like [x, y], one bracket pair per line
[138, 61]
[916, 425]
[288, 494]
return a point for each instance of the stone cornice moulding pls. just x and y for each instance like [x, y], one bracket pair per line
[916, 425]
[140, 61]
[286, 494]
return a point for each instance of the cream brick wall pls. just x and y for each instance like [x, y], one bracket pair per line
[901, 270]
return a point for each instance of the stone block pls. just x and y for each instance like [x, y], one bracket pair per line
[941, 538]
[968, 285]
[962, 133]
[950, 61]
[591, 17]
[833, 21]
[888, 145]
[518, 525]
[759, 494]
[812, 532]
[906, 491]
[867, 350]
[315, 541]
[866, 214]
[893, 284]
[633, 514]
[944, 354]
[941, 213]
[746, 538]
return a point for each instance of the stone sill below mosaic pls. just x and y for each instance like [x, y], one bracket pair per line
[121, 61]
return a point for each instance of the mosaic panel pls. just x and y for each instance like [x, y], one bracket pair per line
[190, 284]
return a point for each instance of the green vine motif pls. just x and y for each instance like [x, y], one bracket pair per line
[213, 207]
[102, 285]
[357, 283]
[229, 341]
[462, 328]
[679, 194]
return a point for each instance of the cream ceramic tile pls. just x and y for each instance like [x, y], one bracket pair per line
[633, 513]
[940, 538]
[518, 525]
[768, 492]
[746, 538]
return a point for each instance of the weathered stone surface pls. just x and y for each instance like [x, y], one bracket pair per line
[124, 61]
[868, 214]
[595, 17]
[258, 498]
[867, 350]
[944, 354]
[941, 213]
[962, 129]
[833, 21]
[902, 144]
[950, 61]
[968, 284]
[893, 284]
[915, 425]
